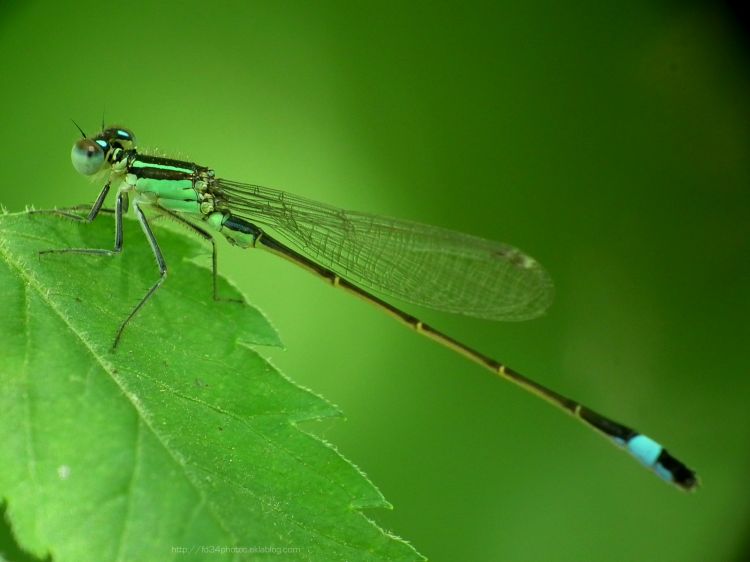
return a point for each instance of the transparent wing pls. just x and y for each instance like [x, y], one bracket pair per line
[424, 265]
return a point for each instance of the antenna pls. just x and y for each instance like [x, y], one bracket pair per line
[81, 130]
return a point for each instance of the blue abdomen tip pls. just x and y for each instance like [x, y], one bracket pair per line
[644, 449]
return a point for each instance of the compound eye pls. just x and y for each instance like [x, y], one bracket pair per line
[87, 157]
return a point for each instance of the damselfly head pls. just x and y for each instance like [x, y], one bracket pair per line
[89, 155]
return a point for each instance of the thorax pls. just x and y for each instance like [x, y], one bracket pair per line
[172, 184]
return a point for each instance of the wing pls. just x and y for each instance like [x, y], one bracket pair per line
[420, 264]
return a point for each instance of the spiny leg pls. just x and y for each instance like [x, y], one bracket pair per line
[94, 212]
[162, 272]
[67, 211]
[206, 236]
[71, 212]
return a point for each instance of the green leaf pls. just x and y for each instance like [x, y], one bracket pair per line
[180, 443]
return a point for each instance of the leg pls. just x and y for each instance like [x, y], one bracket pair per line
[208, 237]
[65, 211]
[162, 272]
[92, 215]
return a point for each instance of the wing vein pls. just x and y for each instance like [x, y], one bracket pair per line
[417, 263]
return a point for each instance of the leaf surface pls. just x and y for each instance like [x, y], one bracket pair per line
[180, 445]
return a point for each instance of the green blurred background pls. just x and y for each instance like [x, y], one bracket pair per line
[609, 141]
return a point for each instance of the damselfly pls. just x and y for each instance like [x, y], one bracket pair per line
[359, 252]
